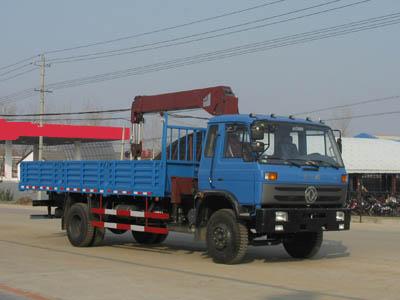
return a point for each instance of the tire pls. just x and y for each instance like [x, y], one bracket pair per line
[303, 244]
[227, 239]
[147, 238]
[80, 231]
[98, 237]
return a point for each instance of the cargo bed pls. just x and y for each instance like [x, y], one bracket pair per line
[181, 147]
[136, 177]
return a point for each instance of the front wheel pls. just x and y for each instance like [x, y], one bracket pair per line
[303, 244]
[227, 239]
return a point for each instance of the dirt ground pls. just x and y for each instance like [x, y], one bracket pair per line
[37, 262]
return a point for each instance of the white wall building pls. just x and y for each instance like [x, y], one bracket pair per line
[373, 164]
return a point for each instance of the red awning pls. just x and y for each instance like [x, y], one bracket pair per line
[28, 133]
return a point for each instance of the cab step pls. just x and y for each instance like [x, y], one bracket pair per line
[43, 203]
[44, 216]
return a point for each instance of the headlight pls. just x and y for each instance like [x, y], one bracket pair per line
[340, 216]
[281, 216]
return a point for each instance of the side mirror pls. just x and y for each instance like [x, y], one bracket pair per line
[338, 133]
[257, 132]
[339, 143]
[257, 147]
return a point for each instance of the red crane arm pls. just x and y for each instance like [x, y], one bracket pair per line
[217, 100]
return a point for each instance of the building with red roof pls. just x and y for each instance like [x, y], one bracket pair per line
[28, 133]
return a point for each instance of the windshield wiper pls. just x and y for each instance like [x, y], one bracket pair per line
[288, 160]
[318, 163]
[312, 163]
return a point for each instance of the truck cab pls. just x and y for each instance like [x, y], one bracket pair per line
[283, 177]
[267, 162]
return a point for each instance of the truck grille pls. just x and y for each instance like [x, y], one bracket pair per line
[295, 194]
[302, 198]
[303, 189]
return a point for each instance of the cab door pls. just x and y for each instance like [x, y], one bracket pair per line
[207, 163]
[234, 170]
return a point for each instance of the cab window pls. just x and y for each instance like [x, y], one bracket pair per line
[211, 141]
[237, 141]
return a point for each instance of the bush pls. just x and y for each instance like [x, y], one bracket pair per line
[6, 195]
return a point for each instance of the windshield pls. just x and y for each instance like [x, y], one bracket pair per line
[299, 144]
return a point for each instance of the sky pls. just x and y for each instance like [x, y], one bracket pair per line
[287, 80]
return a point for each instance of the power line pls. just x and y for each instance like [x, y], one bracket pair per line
[305, 37]
[33, 116]
[153, 45]
[166, 28]
[19, 62]
[63, 59]
[15, 69]
[191, 41]
[146, 33]
[69, 119]
[279, 42]
[197, 59]
[178, 116]
[365, 115]
[18, 95]
[119, 110]
[18, 74]
[375, 100]
[240, 50]
[68, 113]
[173, 115]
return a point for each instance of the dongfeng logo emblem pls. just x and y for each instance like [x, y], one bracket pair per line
[311, 194]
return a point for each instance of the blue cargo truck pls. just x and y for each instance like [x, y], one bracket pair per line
[244, 180]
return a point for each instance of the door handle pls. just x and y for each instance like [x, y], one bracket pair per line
[220, 179]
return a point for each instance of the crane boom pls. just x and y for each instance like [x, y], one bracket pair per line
[217, 100]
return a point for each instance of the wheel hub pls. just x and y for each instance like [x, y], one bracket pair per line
[76, 225]
[221, 237]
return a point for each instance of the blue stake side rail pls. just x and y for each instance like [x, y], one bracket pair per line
[151, 178]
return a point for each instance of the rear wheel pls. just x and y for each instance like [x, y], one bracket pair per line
[227, 239]
[98, 237]
[80, 231]
[147, 238]
[303, 244]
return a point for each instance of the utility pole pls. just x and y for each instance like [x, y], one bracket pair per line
[42, 91]
[122, 143]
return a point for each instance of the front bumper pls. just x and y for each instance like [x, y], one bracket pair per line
[301, 219]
